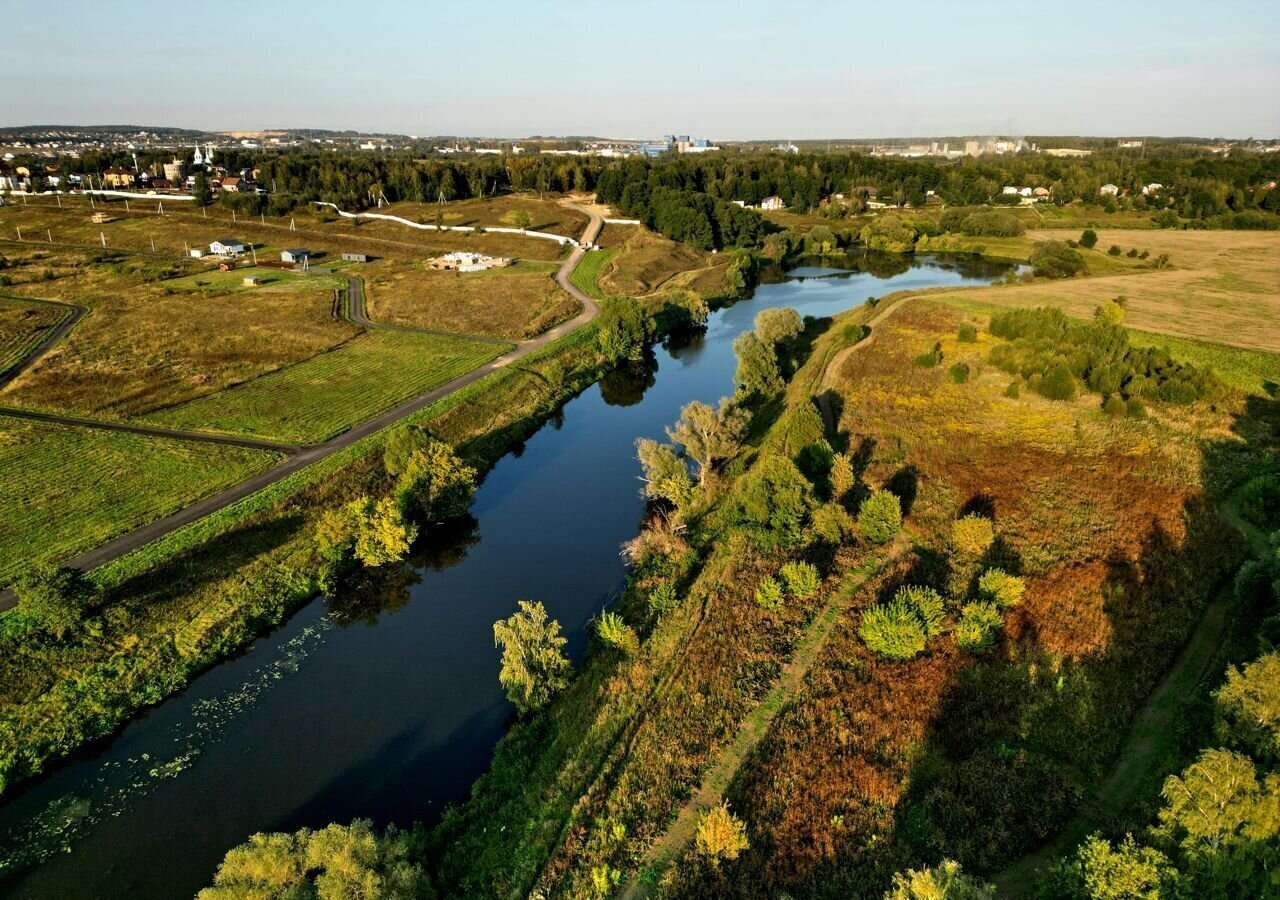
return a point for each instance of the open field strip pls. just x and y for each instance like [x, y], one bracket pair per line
[1222, 287]
[64, 490]
[586, 276]
[329, 393]
[24, 324]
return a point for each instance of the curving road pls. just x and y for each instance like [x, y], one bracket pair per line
[305, 456]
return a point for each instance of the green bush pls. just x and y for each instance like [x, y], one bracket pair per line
[57, 599]
[968, 334]
[616, 633]
[1134, 409]
[976, 630]
[1089, 239]
[930, 359]
[892, 630]
[1260, 501]
[1115, 250]
[880, 517]
[1114, 406]
[959, 373]
[663, 597]
[769, 594]
[928, 604]
[1054, 259]
[999, 587]
[801, 580]
[1013, 391]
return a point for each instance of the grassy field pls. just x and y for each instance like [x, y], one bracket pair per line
[150, 344]
[66, 490]
[22, 325]
[497, 212]
[1221, 286]
[517, 302]
[183, 227]
[331, 392]
[586, 275]
[272, 281]
[646, 261]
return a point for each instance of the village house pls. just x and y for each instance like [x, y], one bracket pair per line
[231, 184]
[227, 247]
[774, 202]
[1040, 192]
[295, 255]
[464, 261]
[118, 178]
[1108, 190]
[356, 257]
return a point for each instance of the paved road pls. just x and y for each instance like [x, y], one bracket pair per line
[134, 540]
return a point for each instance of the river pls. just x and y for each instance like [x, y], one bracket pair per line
[386, 703]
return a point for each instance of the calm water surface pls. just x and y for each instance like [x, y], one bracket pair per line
[385, 704]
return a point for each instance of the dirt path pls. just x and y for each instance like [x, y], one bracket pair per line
[1148, 734]
[671, 843]
[668, 847]
[305, 456]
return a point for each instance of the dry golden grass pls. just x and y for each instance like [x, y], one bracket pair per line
[183, 226]
[497, 212]
[21, 324]
[1222, 286]
[517, 302]
[145, 346]
[646, 261]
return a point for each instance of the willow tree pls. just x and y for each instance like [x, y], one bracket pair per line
[534, 665]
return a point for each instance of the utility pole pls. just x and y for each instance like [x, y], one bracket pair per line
[58, 197]
[254, 251]
[153, 245]
[19, 233]
[103, 235]
[126, 204]
[49, 232]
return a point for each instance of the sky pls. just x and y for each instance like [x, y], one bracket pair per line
[630, 68]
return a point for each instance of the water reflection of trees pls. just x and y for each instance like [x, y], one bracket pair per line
[363, 595]
[626, 385]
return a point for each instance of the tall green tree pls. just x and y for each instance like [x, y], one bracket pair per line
[534, 665]
[710, 435]
[758, 373]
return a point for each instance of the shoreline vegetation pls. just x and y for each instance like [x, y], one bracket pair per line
[825, 465]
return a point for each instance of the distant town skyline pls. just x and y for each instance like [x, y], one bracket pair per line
[727, 71]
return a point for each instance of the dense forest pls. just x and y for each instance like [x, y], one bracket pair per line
[688, 198]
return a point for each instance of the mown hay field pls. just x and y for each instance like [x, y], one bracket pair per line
[23, 324]
[149, 344]
[1221, 286]
[517, 302]
[65, 490]
[331, 392]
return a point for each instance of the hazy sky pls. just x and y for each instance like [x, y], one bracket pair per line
[630, 68]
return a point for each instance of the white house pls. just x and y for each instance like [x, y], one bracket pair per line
[1008, 189]
[1109, 190]
[227, 247]
[774, 202]
[1152, 188]
[1024, 192]
[295, 255]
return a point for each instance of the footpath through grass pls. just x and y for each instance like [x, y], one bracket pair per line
[667, 848]
[332, 392]
[66, 490]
